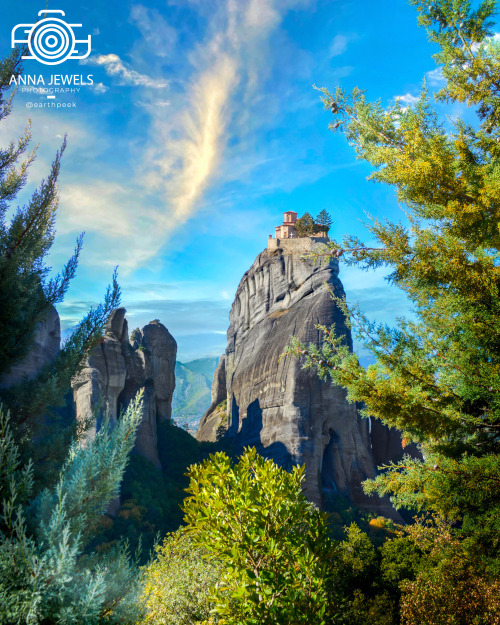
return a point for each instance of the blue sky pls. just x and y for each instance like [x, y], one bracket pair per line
[201, 128]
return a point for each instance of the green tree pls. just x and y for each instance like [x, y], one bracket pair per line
[254, 518]
[305, 226]
[436, 378]
[323, 221]
[52, 493]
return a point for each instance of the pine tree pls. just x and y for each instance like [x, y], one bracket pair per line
[52, 493]
[323, 221]
[437, 379]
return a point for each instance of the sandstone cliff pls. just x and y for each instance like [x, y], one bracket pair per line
[119, 367]
[289, 414]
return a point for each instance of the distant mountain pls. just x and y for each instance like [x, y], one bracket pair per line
[193, 381]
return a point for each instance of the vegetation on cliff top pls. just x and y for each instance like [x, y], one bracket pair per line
[307, 226]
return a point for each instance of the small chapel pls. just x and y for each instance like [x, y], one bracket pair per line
[287, 229]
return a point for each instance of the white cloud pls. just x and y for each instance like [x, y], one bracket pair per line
[114, 66]
[187, 151]
[160, 36]
[99, 207]
[339, 45]
[409, 99]
[205, 124]
[183, 150]
[100, 88]
[435, 77]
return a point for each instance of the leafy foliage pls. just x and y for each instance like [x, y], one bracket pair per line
[152, 499]
[437, 378]
[178, 583]
[323, 221]
[28, 293]
[254, 517]
[451, 585]
[305, 226]
[45, 575]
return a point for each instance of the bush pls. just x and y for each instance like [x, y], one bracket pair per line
[254, 517]
[178, 583]
[450, 594]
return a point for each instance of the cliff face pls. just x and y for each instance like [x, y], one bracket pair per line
[118, 368]
[289, 414]
[115, 371]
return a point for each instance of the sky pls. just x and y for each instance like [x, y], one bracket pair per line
[200, 129]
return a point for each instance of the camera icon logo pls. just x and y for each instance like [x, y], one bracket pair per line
[51, 40]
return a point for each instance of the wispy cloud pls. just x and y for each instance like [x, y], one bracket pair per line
[188, 150]
[114, 66]
[435, 77]
[339, 45]
[100, 88]
[158, 34]
[100, 207]
[191, 137]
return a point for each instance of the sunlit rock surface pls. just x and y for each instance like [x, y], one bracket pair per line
[288, 413]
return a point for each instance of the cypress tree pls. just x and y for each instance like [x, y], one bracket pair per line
[53, 492]
[323, 221]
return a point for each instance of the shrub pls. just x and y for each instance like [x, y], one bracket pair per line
[254, 517]
[178, 583]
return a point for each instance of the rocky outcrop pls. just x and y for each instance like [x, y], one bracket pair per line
[287, 412]
[45, 347]
[216, 415]
[118, 368]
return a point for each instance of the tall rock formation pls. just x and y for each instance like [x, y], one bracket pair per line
[118, 368]
[288, 413]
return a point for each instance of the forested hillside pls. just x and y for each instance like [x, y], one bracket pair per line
[193, 382]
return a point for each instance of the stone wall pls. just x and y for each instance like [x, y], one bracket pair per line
[299, 245]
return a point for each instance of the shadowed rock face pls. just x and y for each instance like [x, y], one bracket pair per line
[45, 347]
[118, 368]
[387, 444]
[287, 413]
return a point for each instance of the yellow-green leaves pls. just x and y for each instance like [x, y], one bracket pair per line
[254, 517]
[436, 378]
